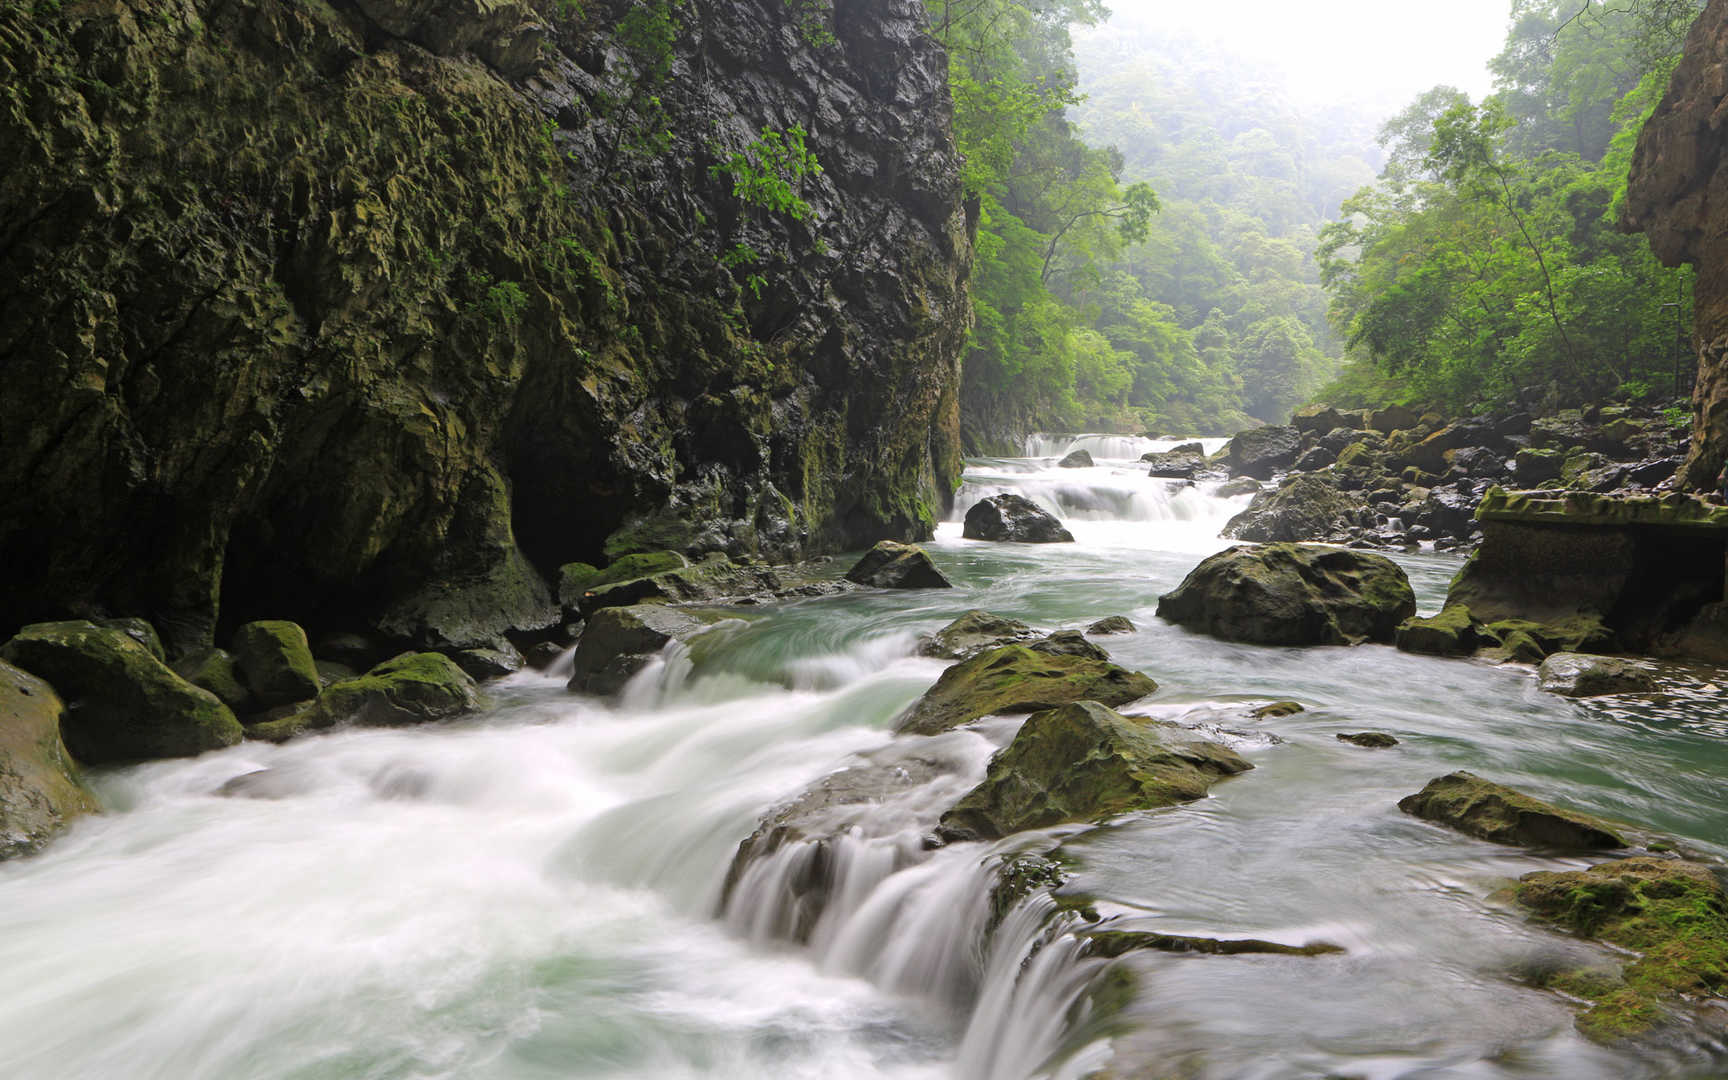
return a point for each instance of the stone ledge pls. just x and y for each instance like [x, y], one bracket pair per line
[1579, 508]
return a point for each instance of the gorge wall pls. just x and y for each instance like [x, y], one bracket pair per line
[1678, 196]
[374, 312]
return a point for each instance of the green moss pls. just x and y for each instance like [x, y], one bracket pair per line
[1490, 811]
[573, 580]
[276, 662]
[631, 567]
[408, 689]
[1018, 679]
[1673, 914]
[1453, 632]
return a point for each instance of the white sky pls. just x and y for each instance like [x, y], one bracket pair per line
[1379, 52]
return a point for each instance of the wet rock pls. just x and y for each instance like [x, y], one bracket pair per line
[1242, 485]
[716, 578]
[1183, 463]
[1068, 643]
[493, 662]
[1017, 679]
[1259, 452]
[1576, 634]
[1583, 675]
[267, 784]
[1276, 709]
[1669, 914]
[1489, 811]
[1086, 762]
[414, 688]
[620, 641]
[1453, 632]
[543, 654]
[1370, 740]
[1016, 519]
[1520, 647]
[1115, 943]
[972, 633]
[217, 671]
[892, 565]
[574, 579]
[358, 651]
[123, 703]
[1113, 624]
[331, 672]
[1293, 594]
[40, 790]
[276, 662]
[1304, 508]
[138, 630]
[1076, 459]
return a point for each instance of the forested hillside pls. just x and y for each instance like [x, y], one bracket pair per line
[1486, 267]
[1146, 225]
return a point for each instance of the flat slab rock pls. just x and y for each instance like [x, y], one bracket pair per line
[1585, 675]
[1490, 811]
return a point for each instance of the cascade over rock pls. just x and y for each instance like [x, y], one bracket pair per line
[376, 314]
[1677, 195]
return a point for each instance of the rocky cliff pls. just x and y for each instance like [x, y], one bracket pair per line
[1678, 196]
[374, 311]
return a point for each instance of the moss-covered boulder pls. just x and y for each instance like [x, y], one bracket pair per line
[1671, 914]
[1111, 625]
[123, 704]
[39, 786]
[217, 671]
[1019, 679]
[1293, 594]
[276, 662]
[714, 578]
[1583, 633]
[414, 688]
[1490, 811]
[1583, 675]
[893, 565]
[973, 633]
[1086, 762]
[138, 630]
[574, 579]
[640, 565]
[618, 642]
[1453, 632]
[1369, 740]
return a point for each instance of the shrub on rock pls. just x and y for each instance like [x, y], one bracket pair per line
[123, 703]
[1293, 594]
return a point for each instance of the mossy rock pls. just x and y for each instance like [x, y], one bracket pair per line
[1453, 632]
[123, 703]
[1293, 594]
[1522, 648]
[40, 790]
[217, 671]
[1671, 913]
[276, 662]
[1111, 625]
[631, 567]
[413, 688]
[972, 633]
[574, 579]
[617, 642]
[1369, 740]
[1019, 679]
[1085, 762]
[1276, 709]
[1581, 675]
[1489, 811]
[893, 565]
[138, 630]
[1357, 454]
[1574, 634]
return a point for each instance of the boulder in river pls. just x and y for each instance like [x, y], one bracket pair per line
[1304, 508]
[1452, 632]
[1489, 811]
[893, 565]
[1242, 485]
[1293, 594]
[1086, 762]
[216, 671]
[1369, 740]
[39, 786]
[276, 662]
[1179, 463]
[1670, 915]
[973, 633]
[1259, 452]
[1076, 459]
[414, 688]
[1019, 679]
[1014, 518]
[1111, 624]
[123, 704]
[618, 642]
[1584, 675]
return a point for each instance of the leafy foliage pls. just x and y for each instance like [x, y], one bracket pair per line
[770, 172]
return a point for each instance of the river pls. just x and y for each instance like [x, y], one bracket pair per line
[533, 893]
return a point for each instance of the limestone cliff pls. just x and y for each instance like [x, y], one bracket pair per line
[1678, 196]
[376, 310]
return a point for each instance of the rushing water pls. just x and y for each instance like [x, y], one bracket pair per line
[536, 892]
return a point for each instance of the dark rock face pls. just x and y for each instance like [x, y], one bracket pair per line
[1489, 811]
[1016, 519]
[1304, 508]
[891, 565]
[1584, 675]
[1018, 679]
[1085, 762]
[39, 786]
[1259, 452]
[1677, 195]
[380, 313]
[1293, 594]
[123, 703]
